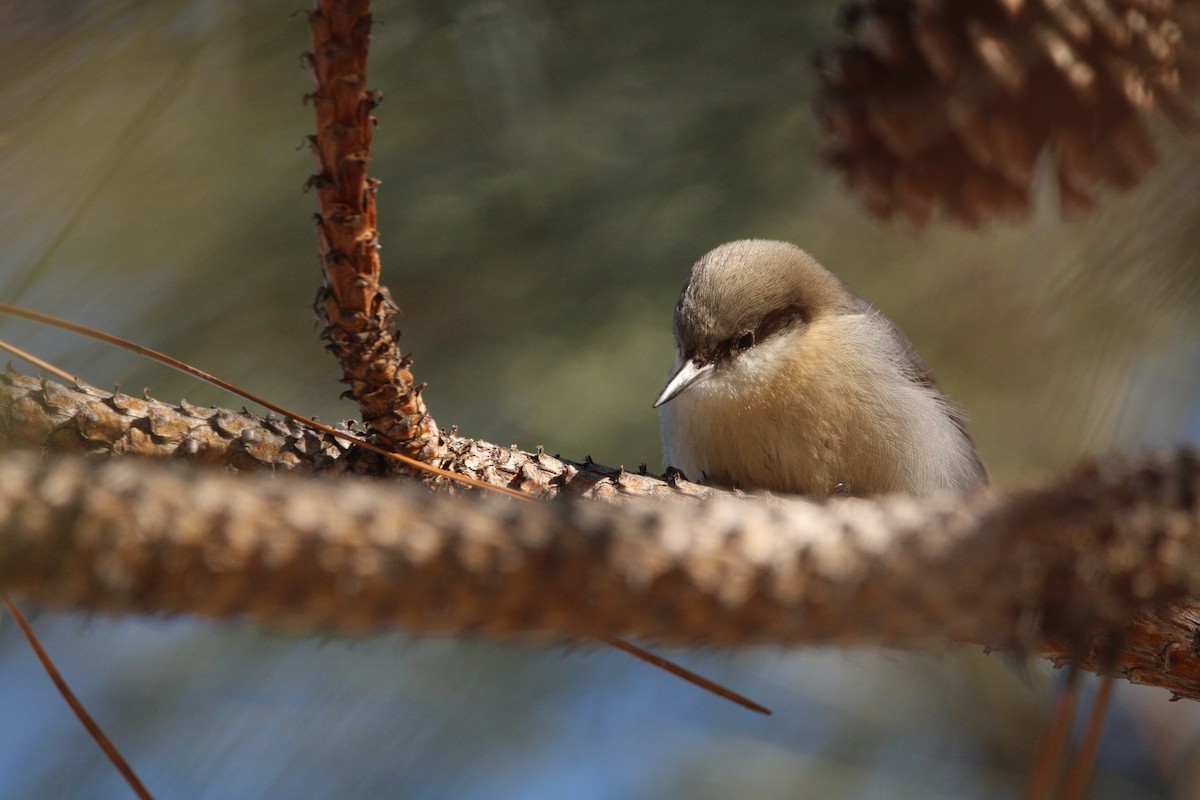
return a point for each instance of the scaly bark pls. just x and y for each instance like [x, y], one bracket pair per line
[358, 310]
[1098, 566]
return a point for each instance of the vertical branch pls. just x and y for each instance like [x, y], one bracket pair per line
[359, 312]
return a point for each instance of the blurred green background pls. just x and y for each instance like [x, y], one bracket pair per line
[550, 171]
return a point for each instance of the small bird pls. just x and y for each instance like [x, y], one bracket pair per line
[787, 380]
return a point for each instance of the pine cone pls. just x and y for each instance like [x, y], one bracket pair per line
[950, 103]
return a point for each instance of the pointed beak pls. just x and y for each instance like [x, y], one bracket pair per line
[687, 375]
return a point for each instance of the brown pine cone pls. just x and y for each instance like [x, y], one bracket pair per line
[950, 103]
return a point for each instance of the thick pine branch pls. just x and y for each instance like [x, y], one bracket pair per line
[1096, 568]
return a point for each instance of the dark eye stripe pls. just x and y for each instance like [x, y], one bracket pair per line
[778, 320]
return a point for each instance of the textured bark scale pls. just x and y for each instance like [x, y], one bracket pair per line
[358, 311]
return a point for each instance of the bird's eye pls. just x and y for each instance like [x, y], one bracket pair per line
[744, 342]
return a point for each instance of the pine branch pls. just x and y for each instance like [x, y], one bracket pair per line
[358, 310]
[1096, 568]
[36, 413]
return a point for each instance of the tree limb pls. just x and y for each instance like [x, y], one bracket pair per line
[83, 419]
[359, 311]
[1083, 569]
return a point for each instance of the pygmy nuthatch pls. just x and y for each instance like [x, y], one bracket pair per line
[786, 380]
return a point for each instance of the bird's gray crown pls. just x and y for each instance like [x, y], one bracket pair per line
[743, 292]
